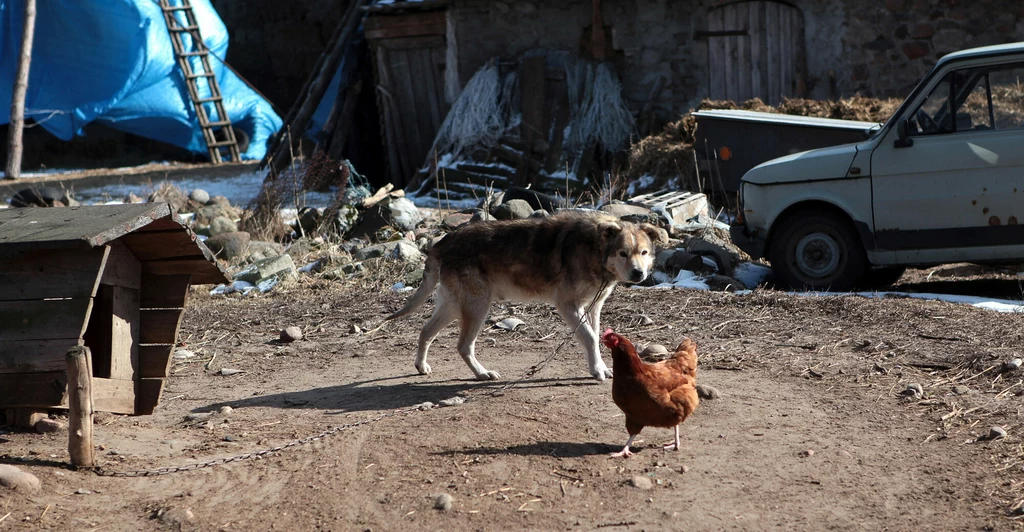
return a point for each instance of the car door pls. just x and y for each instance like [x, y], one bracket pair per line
[956, 190]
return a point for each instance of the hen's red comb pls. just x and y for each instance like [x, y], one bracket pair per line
[609, 338]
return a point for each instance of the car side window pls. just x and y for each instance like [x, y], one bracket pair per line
[972, 99]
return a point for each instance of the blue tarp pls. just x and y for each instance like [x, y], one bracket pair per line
[112, 62]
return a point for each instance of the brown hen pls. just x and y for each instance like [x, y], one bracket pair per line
[662, 394]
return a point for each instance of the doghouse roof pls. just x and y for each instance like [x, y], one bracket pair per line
[154, 234]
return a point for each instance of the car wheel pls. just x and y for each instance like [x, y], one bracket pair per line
[817, 250]
[883, 277]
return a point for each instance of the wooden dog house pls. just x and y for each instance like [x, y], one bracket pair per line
[113, 278]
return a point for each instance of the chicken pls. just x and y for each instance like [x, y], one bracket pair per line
[662, 394]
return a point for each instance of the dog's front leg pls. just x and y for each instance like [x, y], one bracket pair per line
[574, 316]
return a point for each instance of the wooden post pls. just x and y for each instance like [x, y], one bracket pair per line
[80, 407]
[17, 122]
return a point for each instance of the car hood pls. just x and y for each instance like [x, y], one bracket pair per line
[814, 165]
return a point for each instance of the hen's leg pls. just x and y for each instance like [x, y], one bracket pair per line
[572, 313]
[444, 313]
[473, 314]
[673, 445]
[625, 452]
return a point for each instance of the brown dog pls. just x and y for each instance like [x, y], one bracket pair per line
[572, 260]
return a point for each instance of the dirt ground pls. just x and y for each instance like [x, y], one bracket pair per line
[812, 430]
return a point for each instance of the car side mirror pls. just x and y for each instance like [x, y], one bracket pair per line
[903, 138]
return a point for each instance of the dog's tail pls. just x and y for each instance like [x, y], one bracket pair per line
[431, 278]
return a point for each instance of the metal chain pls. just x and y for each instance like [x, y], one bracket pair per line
[533, 370]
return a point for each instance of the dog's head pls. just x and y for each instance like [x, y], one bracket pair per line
[629, 249]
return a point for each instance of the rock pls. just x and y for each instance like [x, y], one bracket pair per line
[344, 219]
[133, 198]
[221, 225]
[414, 278]
[654, 353]
[537, 200]
[281, 267]
[170, 195]
[226, 410]
[960, 389]
[454, 401]
[540, 213]
[725, 253]
[708, 392]
[49, 425]
[509, 324]
[372, 252]
[16, 479]
[229, 371]
[622, 210]
[723, 283]
[404, 214]
[291, 334]
[259, 250]
[443, 502]
[641, 482]
[198, 416]
[807, 454]
[406, 251]
[206, 215]
[199, 196]
[683, 260]
[645, 320]
[995, 433]
[481, 215]
[174, 517]
[515, 209]
[183, 354]
[457, 220]
[843, 453]
[1012, 365]
[913, 390]
[229, 246]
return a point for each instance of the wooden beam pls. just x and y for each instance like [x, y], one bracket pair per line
[124, 334]
[201, 271]
[165, 244]
[406, 25]
[80, 408]
[49, 390]
[122, 268]
[148, 392]
[17, 120]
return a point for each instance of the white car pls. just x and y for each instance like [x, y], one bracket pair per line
[941, 181]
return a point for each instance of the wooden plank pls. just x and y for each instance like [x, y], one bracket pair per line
[167, 244]
[33, 389]
[201, 271]
[729, 21]
[406, 25]
[163, 291]
[771, 15]
[756, 43]
[31, 356]
[155, 361]
[47, 273]
[41, 320]
[743, 88]
[92, 225]
[407, 94]
[159, 326]
[386, 99]
[716, 56]
[532, 73]
[433, 105]
[785, 52]
[147, 395]
[122, 268]
[412, 43]
[124, 335]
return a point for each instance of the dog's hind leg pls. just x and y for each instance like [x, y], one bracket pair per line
[573, 315]
[472, 316]
[445, 312]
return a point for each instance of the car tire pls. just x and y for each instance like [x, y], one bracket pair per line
[883, 277]
[817, 250]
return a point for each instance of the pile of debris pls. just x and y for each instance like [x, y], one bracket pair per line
[667, 160]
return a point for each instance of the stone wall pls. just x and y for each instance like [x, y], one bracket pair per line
[874, 48]
[890, 45]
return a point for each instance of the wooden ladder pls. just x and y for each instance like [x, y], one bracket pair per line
[217, 132]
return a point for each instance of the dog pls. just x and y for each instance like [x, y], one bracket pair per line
[572, 259]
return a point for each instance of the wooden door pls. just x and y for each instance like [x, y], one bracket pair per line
[756, 50]
[409, 62]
